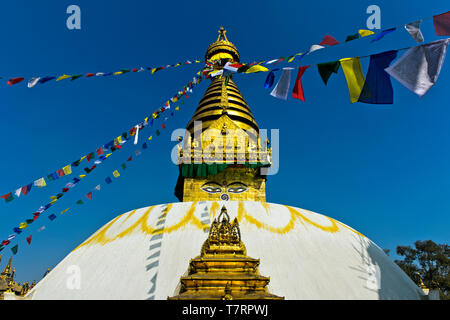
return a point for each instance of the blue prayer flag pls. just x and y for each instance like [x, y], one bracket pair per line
[381, 34]
[377, 88]
[52, 217]
[108, 180]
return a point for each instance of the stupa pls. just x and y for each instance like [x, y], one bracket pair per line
[223, 240]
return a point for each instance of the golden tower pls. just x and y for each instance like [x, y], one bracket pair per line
[222, 155]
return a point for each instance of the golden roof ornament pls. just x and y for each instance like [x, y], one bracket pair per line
[223, 271]
[222, 49]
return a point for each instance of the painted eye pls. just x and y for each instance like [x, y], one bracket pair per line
[239, 189]
[212, 189]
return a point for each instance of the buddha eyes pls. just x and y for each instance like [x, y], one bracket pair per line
[239, 189]
[210, 189]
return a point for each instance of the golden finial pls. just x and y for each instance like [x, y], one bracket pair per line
[422, 285]
[222, 33]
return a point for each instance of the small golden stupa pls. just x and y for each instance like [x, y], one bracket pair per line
[223, 271]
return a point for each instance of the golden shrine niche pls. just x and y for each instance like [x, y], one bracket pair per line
[223, 271]
[221, 155]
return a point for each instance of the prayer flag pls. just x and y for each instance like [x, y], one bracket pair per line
[26, 189]
[41, 229]
[40, 183]
[33, 81]
[60, 172]
[5, 242]
[315, 47]
[11, 237]
[163, 125]
[352, 37]
[15, 81]
[413, 29]
[46, 79]
[354, 76]
[157, 132]
[418, 68]
[64, 211]
[8, 197]
[144, 146]
[329, 41]
[89, 195]
[97, 187]
[282, 87]
[67, 169]
[365, 33]
[17, 193]
[381, 34]
[130, 158]
[79, 202]
[124, 166]
[23, 225]
[29, 239]
[297, 93]
[88, 75]
[378, 87]
[442, 24]
[15, 249]
[327, 68]
[138, 152]
[99, 151]
[270, 79]
[52, 217]
[108, 180]
[116, 174]
[17, 230]
[256, 68]
[90, 156]
[65, 76]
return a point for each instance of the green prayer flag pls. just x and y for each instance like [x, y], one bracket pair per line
[327, 68]
[124, 166]
[15, 249]
[352, 37]
[157, 132]
[74, 77]
[80, 202]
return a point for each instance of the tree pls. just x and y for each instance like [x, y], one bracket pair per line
[429, 262]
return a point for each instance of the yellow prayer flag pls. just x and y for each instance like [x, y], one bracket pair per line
[146, 120]
[23, 225]
[40, 183]
[54, 200]
[67, 169]
[108, 155]
[256, 68]
[177, 108]
[65, 76]
[354, 76]
[153, 70]
[292, 58]
[53, 197]
[150, 138]
[64, 211]
[365, 33]
[116, 174]
[118, 72]
[82, 158]
[82, 176]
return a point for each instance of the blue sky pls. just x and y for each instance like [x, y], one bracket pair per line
[383, 170]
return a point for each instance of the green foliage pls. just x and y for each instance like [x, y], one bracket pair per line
[427, 261]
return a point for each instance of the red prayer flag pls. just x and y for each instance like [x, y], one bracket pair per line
[15, 80]
[130, 158]
[60, 172]
[134, 70]
[88, 157]
[297, 93]
[29, 239]
[99, 151]
[163, 126]
[329, 40]
[24, 190]
[88, 75]
[5, 242]
[442, 24]
[35, 217]
[6, 196]
[65, 189]
[89, 195]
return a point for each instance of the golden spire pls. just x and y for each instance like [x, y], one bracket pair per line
[7, 271]
[223, 271]
[222, 144]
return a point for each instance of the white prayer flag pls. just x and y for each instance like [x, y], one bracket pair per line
[414, 30]
[282, 87]
[418, 69]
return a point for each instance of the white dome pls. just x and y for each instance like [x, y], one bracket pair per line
[143, 253]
